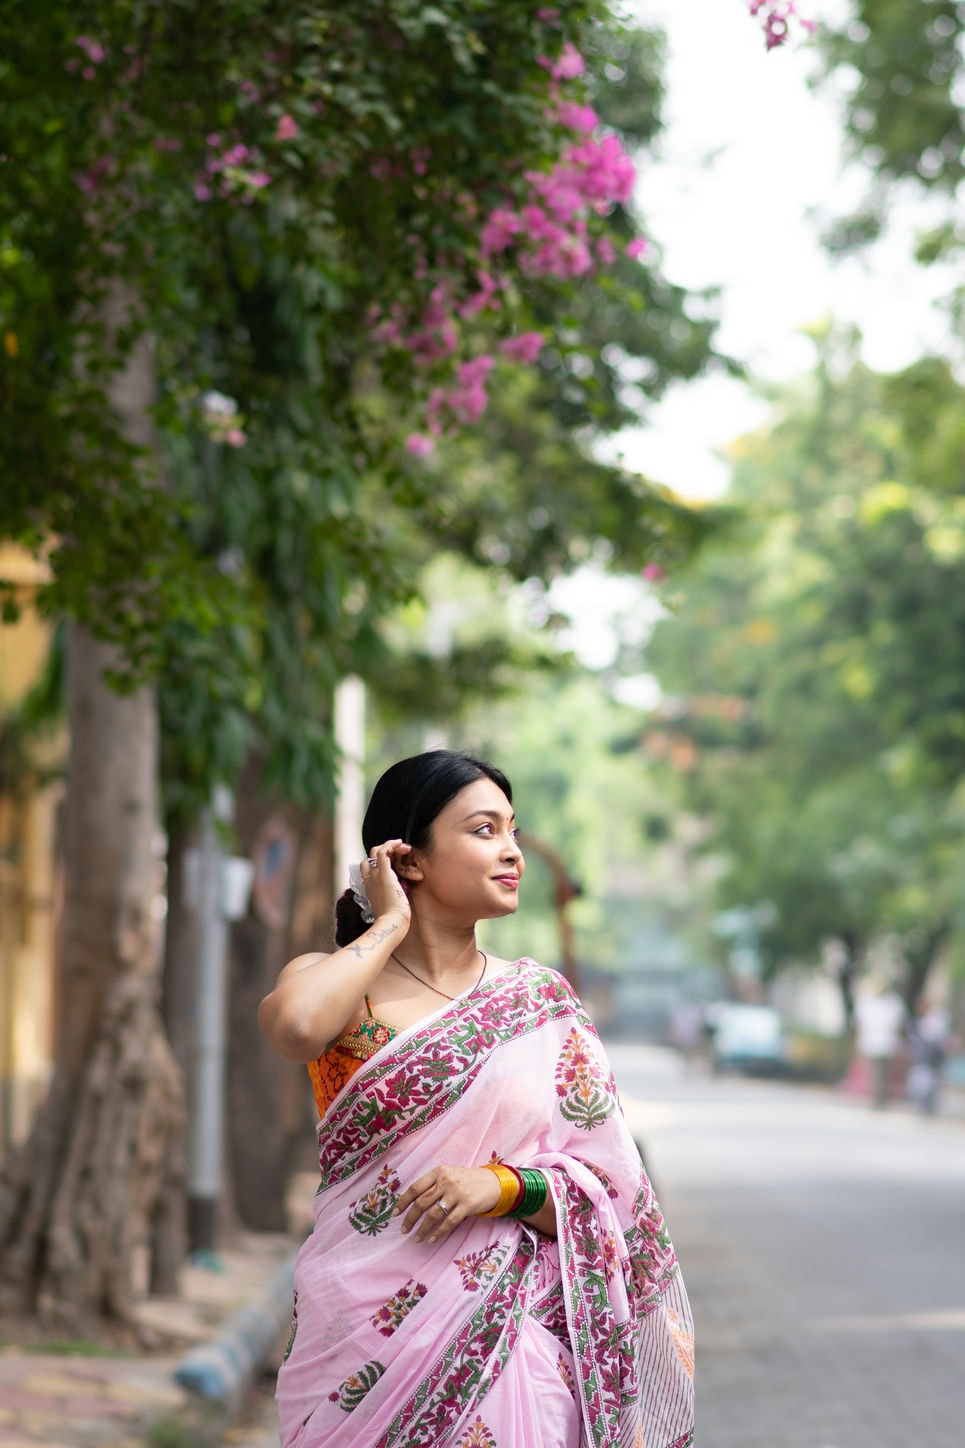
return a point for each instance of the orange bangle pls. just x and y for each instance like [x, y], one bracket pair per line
[510, 1189]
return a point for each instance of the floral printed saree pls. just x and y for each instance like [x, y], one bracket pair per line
[497, 1336]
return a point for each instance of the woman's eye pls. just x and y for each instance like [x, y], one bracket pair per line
[484, 829]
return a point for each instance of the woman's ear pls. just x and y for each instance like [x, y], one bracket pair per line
[409, 870]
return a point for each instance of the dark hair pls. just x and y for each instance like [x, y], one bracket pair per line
[406, 800]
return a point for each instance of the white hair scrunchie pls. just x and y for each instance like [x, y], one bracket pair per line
[357, 887]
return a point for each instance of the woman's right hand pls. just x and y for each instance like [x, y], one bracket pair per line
[386, 892]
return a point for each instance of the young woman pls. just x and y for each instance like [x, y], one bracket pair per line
[488, 1267]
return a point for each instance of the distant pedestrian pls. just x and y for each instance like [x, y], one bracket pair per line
[928, 1040]
[880, 1020]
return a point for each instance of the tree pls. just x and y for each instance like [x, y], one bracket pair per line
[814, 698]
[150, 217]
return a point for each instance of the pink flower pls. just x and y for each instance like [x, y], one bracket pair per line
[419, 445]
[475, 370]
[91, 48]
[577, 117]
[287, 128]
[524, 348]
[653, 573]
[235, 437]
[567, 66]
[201, 191]
[776, 20]
[258, 179]
[485, 299]
[499, 231]
[637, 247]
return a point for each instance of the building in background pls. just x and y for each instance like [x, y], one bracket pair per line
[31, 797]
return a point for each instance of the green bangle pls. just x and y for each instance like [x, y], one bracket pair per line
[534, 1193]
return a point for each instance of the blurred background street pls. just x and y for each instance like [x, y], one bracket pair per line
[823, 1245]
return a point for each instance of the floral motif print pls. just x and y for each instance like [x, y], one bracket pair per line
[551, 1312]
[294, 1329]
[372, 1213]
[477, 1267]
[611, 1259]
[391, 1313]
[606, 1289]
[586, 1099]
[470, 1364]
[419, 1082]
[603, 1179]
[349, 1394]
[479, 1436]
[653, 1261]
[683, 1342]
[603, 1347]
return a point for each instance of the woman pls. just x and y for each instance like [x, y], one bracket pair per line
[488, 1268]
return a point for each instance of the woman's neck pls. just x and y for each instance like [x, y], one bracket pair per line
[438, 955]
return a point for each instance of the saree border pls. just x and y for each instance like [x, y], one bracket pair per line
[392, 1097]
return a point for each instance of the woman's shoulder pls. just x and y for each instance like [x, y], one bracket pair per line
[539, 978]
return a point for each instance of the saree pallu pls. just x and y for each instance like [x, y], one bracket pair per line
[498, 1336]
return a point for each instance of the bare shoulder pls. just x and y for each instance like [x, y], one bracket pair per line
[495, 965]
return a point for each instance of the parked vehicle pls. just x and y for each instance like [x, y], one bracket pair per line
[747, 1038]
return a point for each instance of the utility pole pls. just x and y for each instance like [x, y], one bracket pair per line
[350, 797]
[219, 893]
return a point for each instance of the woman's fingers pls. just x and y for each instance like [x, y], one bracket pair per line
[382, 883]
[438, 1201]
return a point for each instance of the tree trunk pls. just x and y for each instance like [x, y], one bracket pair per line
[76, 1201]
[256, 1143]
[920, 956]
[271, 1110]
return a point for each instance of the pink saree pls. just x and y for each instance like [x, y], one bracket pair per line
[496, 1337]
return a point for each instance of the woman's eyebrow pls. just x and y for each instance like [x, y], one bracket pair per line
[488, 814]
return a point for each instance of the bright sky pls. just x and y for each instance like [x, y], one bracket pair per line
[750, 160]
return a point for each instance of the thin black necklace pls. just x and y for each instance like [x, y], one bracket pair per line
[432, 987]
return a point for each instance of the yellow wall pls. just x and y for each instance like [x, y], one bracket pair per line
[28, 882]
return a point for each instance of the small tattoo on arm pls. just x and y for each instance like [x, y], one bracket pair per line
[371, 941]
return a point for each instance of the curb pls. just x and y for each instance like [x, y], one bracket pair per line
[217, 1373]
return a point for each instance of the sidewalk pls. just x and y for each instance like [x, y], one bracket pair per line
[133, 1400]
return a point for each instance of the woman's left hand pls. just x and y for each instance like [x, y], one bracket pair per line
[440, 1199]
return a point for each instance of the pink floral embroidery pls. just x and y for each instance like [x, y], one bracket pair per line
[479, 1436]
[392, 1313]
[478, 1267]
[586, 1099]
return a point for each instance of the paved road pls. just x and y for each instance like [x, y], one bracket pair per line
[823, 1246]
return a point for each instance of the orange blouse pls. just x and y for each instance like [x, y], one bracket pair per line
[339, 1063]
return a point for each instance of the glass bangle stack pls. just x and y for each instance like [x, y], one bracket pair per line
[522, 1191]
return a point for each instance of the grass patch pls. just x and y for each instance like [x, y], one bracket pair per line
[82, 1347]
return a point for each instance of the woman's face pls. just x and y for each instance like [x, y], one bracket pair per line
[472, 867]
